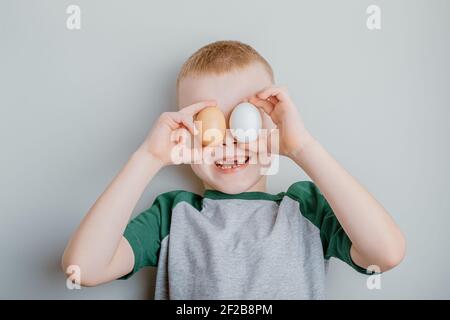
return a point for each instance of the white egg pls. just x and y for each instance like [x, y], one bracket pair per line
[245, 122]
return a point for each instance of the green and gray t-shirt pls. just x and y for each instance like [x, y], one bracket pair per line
[252, 245]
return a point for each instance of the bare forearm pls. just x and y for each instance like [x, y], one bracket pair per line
[96, 240]
[376, 238]
[98, 246]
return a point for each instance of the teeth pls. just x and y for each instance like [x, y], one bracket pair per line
[227, 166]
[230, 164]
[232, 161]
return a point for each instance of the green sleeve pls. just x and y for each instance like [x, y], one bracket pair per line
[315, 208]
[145, 232]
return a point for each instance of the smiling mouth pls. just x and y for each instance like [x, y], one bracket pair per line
[230, 164]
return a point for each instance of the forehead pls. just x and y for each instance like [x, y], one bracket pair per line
[227, 89]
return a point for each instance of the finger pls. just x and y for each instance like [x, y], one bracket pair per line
[184, 136]
[279, 92]
[266, 105]
[188, 122]
[273, 100]
[183, 119]
[196, 107]
[178, 135]
[171, 119]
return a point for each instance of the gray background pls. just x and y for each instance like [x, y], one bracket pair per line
[75, 104]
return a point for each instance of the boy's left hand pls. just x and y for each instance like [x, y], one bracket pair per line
[376, 239]
[276, 102]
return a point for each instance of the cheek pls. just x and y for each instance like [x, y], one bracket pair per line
[202, 171]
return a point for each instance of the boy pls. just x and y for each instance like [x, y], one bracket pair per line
[235, 241]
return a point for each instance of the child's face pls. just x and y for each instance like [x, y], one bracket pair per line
[228, 90]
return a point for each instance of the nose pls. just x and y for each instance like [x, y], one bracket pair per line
[230, 147]
[229, 139]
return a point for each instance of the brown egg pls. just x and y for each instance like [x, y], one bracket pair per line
[213, 126]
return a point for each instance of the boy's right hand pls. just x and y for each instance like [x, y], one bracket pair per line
[171, 129]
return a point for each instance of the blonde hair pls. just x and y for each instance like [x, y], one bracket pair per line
[221, 57]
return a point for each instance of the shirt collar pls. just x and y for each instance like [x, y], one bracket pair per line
[252, 195]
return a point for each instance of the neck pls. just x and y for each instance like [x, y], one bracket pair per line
[259, 186]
